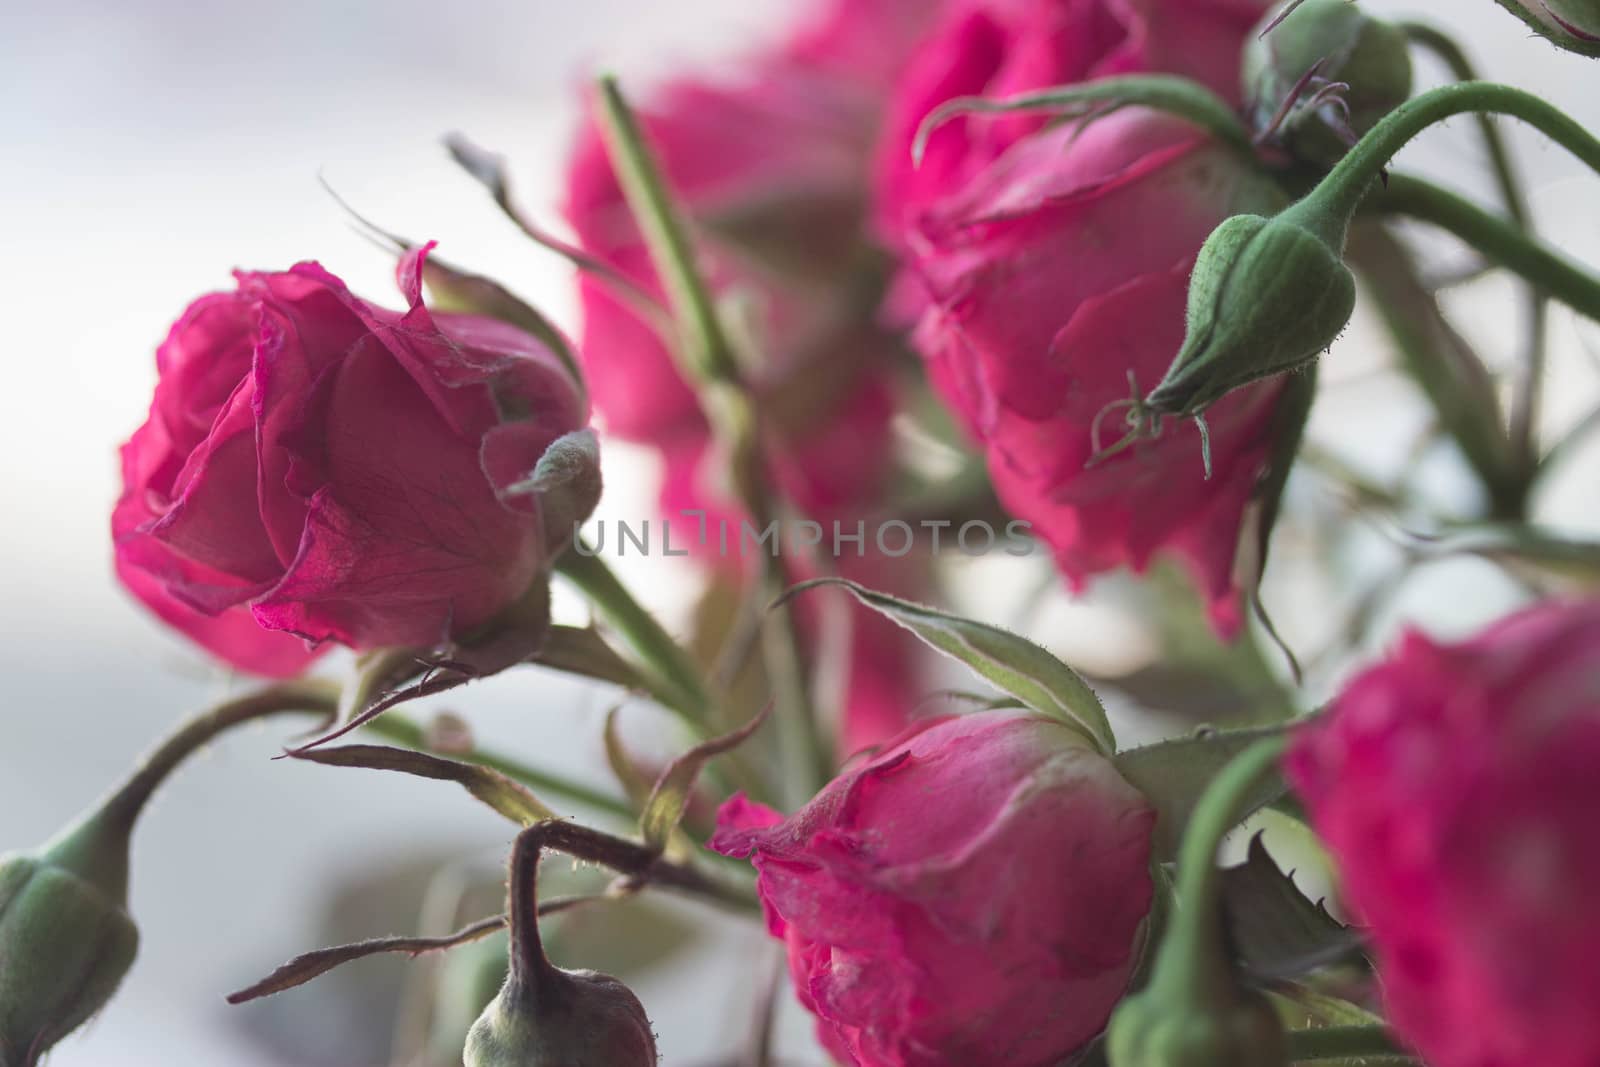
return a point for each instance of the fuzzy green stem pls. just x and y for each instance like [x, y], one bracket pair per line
[1194, 938]
[1500, 241]
[706, 348]
[1327, 210]
[95, 845]
[1525, 405]
[1371, 1044]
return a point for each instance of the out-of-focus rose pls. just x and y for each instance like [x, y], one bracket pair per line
[772, 165]
[317, 469]
[1456, 787]
[999, 48]
[972, 895]
[1055, 273]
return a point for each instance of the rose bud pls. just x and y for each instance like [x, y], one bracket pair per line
[1056, 275]
[1571, 24]
[66, 939]
[996, 48]
[974, 894]
[318, 469]
[1268, 295]
[1319, 46]
[548, 1017]
[1455, 786]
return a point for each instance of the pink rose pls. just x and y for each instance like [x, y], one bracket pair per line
[772, 164]
[1456, 787]
[973, 895]
[1053, 274]
[998, 48]
[316, 469]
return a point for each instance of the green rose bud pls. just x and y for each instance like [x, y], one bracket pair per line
[66, 939]
[1266, 296]
[1570, 24]
[572, 1019]
[548, 1017]
[1344, 45]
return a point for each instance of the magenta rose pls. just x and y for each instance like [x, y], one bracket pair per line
[975, 894]
[1455, 785]
[998, 48]
[319, 469]
[1053, 274]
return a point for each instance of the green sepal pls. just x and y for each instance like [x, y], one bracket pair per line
[1013, 663]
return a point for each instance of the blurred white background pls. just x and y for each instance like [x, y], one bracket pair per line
[149, 148]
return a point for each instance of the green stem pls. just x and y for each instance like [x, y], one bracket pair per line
[1195, 935]
[1330, 206]
[706, 347]
[676, 669]
[1162, 92]
[82, 846]
[1500, 241]
[1371, 1044]
[709, 362]
[1525, 406]
[1443, 364]
[312, 696]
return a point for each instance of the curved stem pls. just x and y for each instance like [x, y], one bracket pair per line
[305, 696]
[1329, 207]
[529, 968]
[1162, 92]
[1372, 1044]
[1524, 418]
[1196, 931]
[1499, 240]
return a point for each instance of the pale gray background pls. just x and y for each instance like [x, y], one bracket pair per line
[149, 147]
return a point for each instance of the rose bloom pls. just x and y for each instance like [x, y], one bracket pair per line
[974, 894]
[997, 48]
[1054, 274]
[1455, 785]
[319, 469]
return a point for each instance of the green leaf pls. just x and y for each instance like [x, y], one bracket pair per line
[635, 783]
[663, 811]
[1276, 931]
[582, 651]
[1174, 774]
[489, 786]
[1013, 663]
